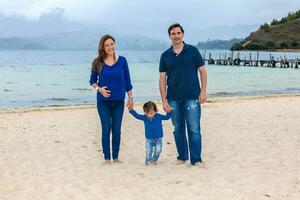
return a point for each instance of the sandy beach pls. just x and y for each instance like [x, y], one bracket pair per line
[251, 147]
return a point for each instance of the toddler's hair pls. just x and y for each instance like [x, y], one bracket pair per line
[148, 106]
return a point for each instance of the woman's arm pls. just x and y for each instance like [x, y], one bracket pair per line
[93, 78]
[128, 86]
[93, 83]
[127, 76]
[130, 100]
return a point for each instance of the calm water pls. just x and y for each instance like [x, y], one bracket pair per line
[41, 78]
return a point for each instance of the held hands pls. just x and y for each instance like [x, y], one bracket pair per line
[166, 106]
[104, 91]
[129, 104]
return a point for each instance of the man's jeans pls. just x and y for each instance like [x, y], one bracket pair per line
[111, 114]
[153, 149]
[187, 113]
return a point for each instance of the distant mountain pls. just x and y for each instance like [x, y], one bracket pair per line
[218, 44]
[54, 32]
[279, 35]
[55, 22]
[19, 43]
[220, 32]
[79, 40]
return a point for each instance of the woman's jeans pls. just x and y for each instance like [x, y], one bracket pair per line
[111, 114]
[153, 149]
[187, 113]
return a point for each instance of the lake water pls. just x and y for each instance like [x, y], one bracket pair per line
[42, 78]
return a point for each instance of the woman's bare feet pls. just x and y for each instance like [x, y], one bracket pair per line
[179, 162]
[154, 162]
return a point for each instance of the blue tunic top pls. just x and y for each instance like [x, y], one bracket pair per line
[153, 126]
[182, 72]
[115, 77]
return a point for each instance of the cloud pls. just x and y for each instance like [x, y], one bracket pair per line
[151, 17]
[77, 10]
[136, 12]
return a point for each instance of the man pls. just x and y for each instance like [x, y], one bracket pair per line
[179, 66]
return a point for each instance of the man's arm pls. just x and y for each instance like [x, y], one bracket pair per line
[162, 90]
[203, 77]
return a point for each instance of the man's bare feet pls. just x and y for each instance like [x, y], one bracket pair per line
[179, 162]
[117, 161]
[200, 165]
[106, 162]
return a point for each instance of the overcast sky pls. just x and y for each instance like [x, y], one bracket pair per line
[132, 16]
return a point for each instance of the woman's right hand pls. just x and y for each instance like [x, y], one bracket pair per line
[130, 104]
[104, 91]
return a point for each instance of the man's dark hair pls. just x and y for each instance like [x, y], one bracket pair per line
[149, 106]
[176, 25]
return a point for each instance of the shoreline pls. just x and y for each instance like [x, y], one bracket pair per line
[270, 50]
[211, 100]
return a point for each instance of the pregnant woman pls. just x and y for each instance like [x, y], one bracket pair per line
[111, 79]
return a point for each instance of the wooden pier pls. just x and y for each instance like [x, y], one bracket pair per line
[229, 59]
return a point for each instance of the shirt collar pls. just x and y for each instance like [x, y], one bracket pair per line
[185, 47]
[151, 118]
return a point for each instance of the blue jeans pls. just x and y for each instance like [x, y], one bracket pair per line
[111, 114]
[153, 149]
[187, 113]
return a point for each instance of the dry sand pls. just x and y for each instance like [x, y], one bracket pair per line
[251, 147]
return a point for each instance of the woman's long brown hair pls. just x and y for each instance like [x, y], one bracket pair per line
[98, 62]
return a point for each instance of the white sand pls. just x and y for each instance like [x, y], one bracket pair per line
[251, 149]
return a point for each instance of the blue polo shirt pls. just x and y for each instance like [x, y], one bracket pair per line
[115, 77]
[182, 72]
[153, 127]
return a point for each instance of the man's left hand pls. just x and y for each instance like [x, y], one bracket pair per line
[202, 97]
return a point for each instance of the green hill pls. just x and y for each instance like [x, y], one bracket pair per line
[218, 44]
[279, 35]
